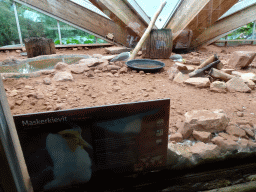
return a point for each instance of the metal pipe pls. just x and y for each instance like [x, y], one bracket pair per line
[58, 25]
[18, 23]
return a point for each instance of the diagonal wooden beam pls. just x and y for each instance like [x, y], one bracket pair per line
[81, 18]
[120, 12]
[197, 15]
[184, 15]
[225, 25]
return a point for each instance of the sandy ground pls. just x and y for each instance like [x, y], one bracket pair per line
[87, 92]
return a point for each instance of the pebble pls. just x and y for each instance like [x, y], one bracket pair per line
[240, 114]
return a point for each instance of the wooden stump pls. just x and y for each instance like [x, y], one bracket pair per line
[36, 46]
[158, 45]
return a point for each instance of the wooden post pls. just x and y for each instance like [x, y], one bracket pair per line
[147, 32]
[253, 32]
[36, 46]
[226, 42]
[18, 23]
[58, 25]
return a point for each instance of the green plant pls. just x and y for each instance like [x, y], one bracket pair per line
[88, 42]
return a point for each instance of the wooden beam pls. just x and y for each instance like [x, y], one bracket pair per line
[120, 12]
[225, 25]
[78, 16]
[185, 13]
[198, 15]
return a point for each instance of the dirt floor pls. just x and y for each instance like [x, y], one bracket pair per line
[87, 92]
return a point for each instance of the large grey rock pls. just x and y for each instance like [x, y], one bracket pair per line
[237, 84]
[91, 62]
[63, 76]
[204, 120]
[200, 82]
[218, 86]
[241, 59]
[205, 151]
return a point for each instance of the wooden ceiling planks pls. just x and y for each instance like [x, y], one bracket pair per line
[197, 15]
[120, 12]
[84, 18]
[225, 25]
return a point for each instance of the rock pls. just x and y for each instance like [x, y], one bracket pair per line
[193, 61]
[176, 57]
[139, 53]
[205, 120]
[79, 48]
[79, 69]
[90, 74]
[237, 73]
[39, 95]
[123, 70]
[18, 51]
[205, 151]
[243, 143]
[249, 83]
[202, 136]
[177, 137]
[19, 102]
[200, 82]
[237, 84]
[141, 72]
[74, 49]
[110, 75]
[102, 65]
[172, 72]
[117, 50]
[228, 137]
[47, 72]
[241, 59]
[60, 66]
[249, 132]
[13, 93]
[90, 62]
[112, 67]
[113, 71]
[47, 81]
[240, 114]
[97, 71]
[63, 76]
[60, 106]
[98, 56]
[236, 131]
[218, 86]
[228, 71]
[225, 144]
[249, 76]
[181, 67]
[23, 49]
[108, 58]
[116, 88]
[181, 77]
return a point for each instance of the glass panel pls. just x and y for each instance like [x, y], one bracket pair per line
[71, 35]
[244, 32]
[8, 30]
[35, 24]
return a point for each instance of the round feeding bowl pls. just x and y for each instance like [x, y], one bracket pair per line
[145, 64]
